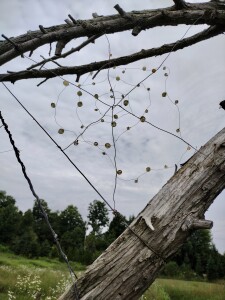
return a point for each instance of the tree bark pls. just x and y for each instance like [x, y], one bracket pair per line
[209, 13]
[127, 268]
[106, 64]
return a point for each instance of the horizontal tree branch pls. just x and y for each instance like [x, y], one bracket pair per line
[201, 13]
[80, 70]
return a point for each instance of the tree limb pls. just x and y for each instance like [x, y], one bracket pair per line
[201, 13]
[81, 70]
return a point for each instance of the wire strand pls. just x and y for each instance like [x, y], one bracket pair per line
[68, 158]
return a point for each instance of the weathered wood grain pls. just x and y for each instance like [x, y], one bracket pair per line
[127, 268]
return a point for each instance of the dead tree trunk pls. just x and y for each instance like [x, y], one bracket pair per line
[127, 268]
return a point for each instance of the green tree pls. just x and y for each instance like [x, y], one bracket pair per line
[45, 248]
[117, 225]
[216, 264]
[96, 242]
[27, 219]
[6, 200]
[27, 244]
[171, 269]
[72, 232]
[195, 251]
[70, 218]
[10, 218]
[198, 267]
[212, 268]
[94, 246]
[45, 238]
[40, 226]
[98, 216]
[199, 254]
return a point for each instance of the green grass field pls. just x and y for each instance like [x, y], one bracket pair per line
[23, 279]
[171, 289]
[46, 279]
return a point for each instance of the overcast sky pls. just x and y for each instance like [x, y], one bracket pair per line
[196, 79]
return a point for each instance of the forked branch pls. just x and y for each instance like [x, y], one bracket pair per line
[202, 13]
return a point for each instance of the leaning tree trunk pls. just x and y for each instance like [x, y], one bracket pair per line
[127, 268]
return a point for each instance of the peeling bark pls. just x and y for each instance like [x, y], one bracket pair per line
[127, 268]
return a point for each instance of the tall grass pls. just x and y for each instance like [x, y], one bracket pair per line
[26, 279]
[171, 289]
[12, 260]
[156, 292]
[47, 279]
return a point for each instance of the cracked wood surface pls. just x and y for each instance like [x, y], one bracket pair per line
[127, 268]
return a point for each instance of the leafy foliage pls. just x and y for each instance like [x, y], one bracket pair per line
[27, 234]
[98, 216]
[201, 256]
[10, 218]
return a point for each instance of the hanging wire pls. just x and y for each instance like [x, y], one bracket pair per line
[163, 61]
[112, 126]
[167, 74]
[68, 158]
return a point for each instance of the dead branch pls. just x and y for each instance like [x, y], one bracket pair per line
[201, 13]
[81, 70]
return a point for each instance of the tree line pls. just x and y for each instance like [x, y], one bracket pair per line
[27, 234]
